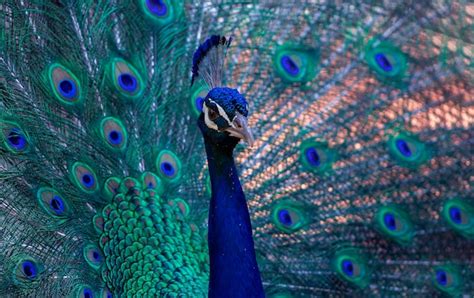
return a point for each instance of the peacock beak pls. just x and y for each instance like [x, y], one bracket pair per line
[241, 130]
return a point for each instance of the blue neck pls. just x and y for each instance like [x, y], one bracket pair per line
[233, 266]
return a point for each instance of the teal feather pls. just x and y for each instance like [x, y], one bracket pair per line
[362, 114]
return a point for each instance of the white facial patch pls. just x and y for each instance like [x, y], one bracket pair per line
[208, 121]
[222, 113]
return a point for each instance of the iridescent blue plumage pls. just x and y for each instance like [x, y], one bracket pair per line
[383, 62]
[157, 7]
[284, 217]
[16, 139]
[229, 99]
[403, 147]
[456, 215]
[128, 82]
[57, 204]
[441, 277]
[233, 267]
[167, 168]
[115, 137]
[313, 156]
[67, 88]
[29, 269]
[348, 267]
[289, 65]
[390, 221]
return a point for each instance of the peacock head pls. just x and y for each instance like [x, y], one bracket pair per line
[223, 120]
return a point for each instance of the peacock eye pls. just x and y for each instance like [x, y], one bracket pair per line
[212, 114]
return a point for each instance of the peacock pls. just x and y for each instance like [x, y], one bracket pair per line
[122, 173]
[223, 122]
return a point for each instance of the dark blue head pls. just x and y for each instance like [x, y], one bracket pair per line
[223, 119]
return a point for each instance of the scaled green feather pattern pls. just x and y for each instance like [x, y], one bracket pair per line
[158, 251]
